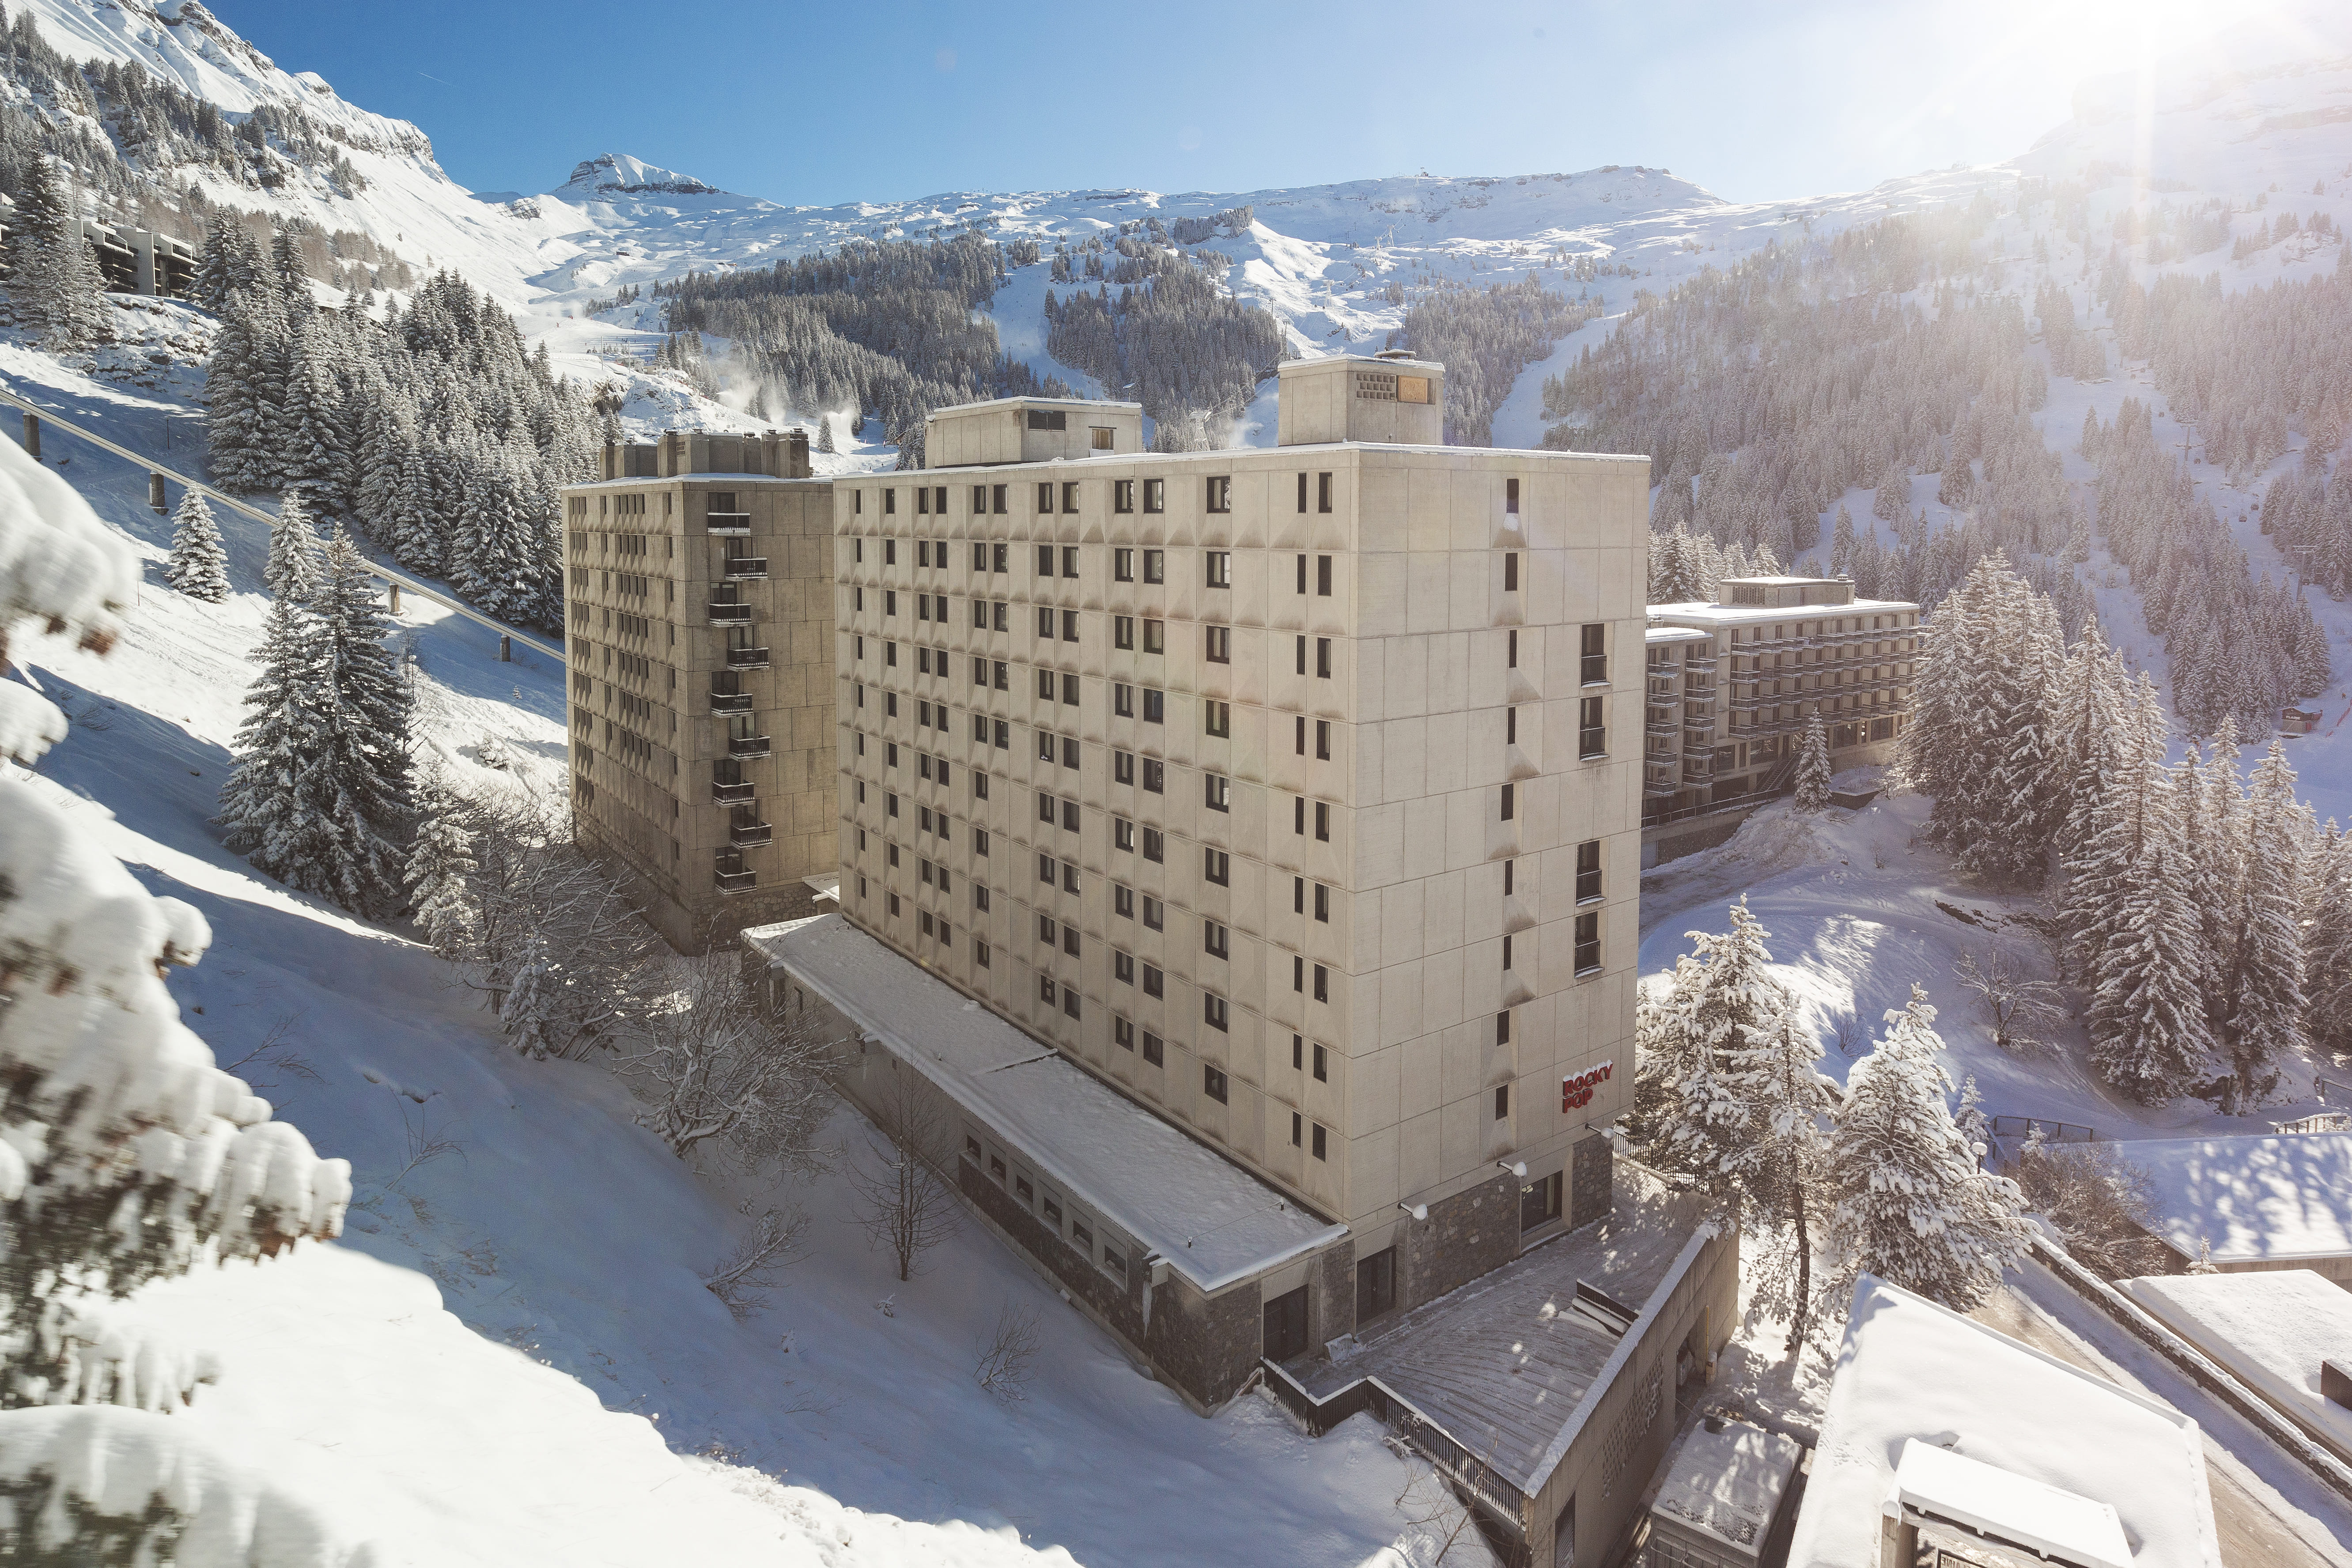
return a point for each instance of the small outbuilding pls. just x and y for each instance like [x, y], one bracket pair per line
[1723, 1493]
[2284, 1333]
[2258, 1203]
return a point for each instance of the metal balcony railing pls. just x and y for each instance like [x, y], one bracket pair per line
[748, 746]
[745, 834]
[730, 614]
[747, 658]
[736, 881]
[725, 793]
[742, 567]
[728, 522]
[731, 703]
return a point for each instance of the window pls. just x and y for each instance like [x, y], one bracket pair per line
[1220, 567]
[1218, 717]
[1155, 499]
[1122, 498]
[1503, 1103]
[1020, 1180]
[1122, 562]
[1217, 940]
[1045, 552]
[1070, 690]
[978, 786]
[1044, 621]
[1070, 561]
[1046, 496]
[1322, 1064]
[1155, 637]
[1219, 494]
[1122, 1032]
[1155, 776]
[1323, 657]
[1502, 1027]
[1375, 1284]
[1212, 1083]
[1122, 700]
[1323, 903]
[1510, 726]
[1297, 1055]
[1323, 739]
[1588, 942]
[1069, 625]
[889, 506]
[1046, 869]
[1510, 801]
[979, 898]
[1122, 834]
[1323, 575]
[1155, 561]
[1052, 1209]
[1122, 632]
[1587, 872]
[1155, 844]
[1540, 1200]
[1508, 867]
[1511, 647]
[1155, 982]
[1155, 706]
[1155, 913]
[1217, 867]
[1114, 1261]
[1319, 1150]
[1047, 990]
[1212, 1011]
[1151, 1047]
[1123, 767]
[1218, 794]
[1593, 655]
[1506, 950]
[1511, 497]
[1510, 572]
[1297, 1121]
[1322, 984]
[1323, 821]
[1591, 728]
[1081, 1238]
[1070, 1000]
[1098, 437]
[997, 498]
[1220, 644]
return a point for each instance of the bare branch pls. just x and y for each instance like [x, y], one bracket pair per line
[2019, 1007]
[745, 1275]
[273, 1053]
[904, 1202]
[712, 1069]
[1008, 1353]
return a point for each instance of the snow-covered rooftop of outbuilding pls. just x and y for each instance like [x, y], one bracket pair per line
[2271, 1326]
[2282, 1197]
[1726, 1479]
[2058, 1524]
[1213, 1222]
[1909, 1368]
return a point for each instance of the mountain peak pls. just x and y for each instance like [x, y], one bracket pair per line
[617, 174]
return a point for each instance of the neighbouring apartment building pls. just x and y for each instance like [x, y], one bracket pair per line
[1730, 686]
[698, 642]
[1244, 845]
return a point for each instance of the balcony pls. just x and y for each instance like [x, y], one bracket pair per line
[748, 746]
[727, 523]
[1664, 685]
[1663, 722]
[731, 703]
[746, 834]
[726, 793]
[736, 881]
[730, 614]
[743, 568]
[747, 658]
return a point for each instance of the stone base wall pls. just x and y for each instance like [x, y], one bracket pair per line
[1465, 1236]
[1591, 1182]
[694, 923]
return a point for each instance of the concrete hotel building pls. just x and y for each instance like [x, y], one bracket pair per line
[699, 650]
[1291, 793]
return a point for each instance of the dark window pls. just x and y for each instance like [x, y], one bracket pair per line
[1593, 655]
[1155, 982]
[1588, 870]
[1122, 1032]
[1302, 506]
[1323, 657]
[1591, 728]
[1510, 801]
[1323, 821]
[1217, 792]
[1323, 739]
[1212, 1083]
[1511, 496]
[1217, 940]
[1503, 1103]
[1322, 984]
[998, 497]
[1511, 643]
[1323, 573]
[1322, 903]
[1502, 1027]
[1151, 1047]
[1122, 496]
[1375, 1284]
[1219, 494]
[1322, 493]
[1285, 1325]
[1540, 1201]
[1506, 950]
[1070, 561]
[1044, 494]
[1123, 767]
[1069, 495]
[1155, 706]
[1213, 1012]
[1217, 718]
[1322, 1064]
[1220, 568]
[1297, 1121]
[1220, 644]
[1217, 867]
[1155, 499]
[1297, 1055]
[1588, 942]
[1321, 1133]
[1510, 572]
[1048, 420]
[1122, 631]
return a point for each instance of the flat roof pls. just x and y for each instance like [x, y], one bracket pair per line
[1211, 1220]
[1228, 454]
[1726, 1478]
[1033, 403]
[735, 481]
[1676, 634]
[1317, 361]
[2052, 1520]
[1909, 1368]
[1508, 1365]
[2271, 1326]
[2276, 1198]
[1753, 614]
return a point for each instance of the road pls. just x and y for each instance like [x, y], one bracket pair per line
[2267, 1511]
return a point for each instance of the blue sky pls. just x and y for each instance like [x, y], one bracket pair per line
[810, 104]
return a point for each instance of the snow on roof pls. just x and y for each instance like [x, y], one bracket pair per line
[1727, 1481]
[1654, 635]
[2054, 1523]
[1753, 614]
[2272, 1198]
[1909, 1368]
[1213, 1222]
[2273, 1328]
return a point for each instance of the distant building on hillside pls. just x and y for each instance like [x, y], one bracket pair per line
[699, 641]
[1242, 845]
[1946, 1442]
[1730, 686]
[2257, 1204]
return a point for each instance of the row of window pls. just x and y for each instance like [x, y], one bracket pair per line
[1217, 564]
[1109, 1254]
[1052, 496]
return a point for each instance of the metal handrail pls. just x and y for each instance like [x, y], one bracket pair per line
[375, 568]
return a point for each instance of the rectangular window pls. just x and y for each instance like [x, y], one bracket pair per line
[1511, 497]
[1155, 499]
[1219, 494]
[1591, 728]
[1153, 1051]
[1052, 1209]
[1302, 506]
[1323, 739]
[1123, 767]
[1503, 1103]
[1506, 950]
[999, 499]
[1219, 644]
[1122, 496]
[1098, 437]
[1323, 657]
[1212, 1083]
[1155, 913]
[1122, 1032]
[1587, 872]
[1217, 867]
[1046, 869]
[1322, 1064]
[1219, 792]
[1323, 575]
[1155, 706]
[1155, 982]
[1155, 565]
[1045, 557]
[1046, 808]
[1220, 567]
[1502, 1027]
[1122, 834]
[1069, 625]
[1322, 493]
[1070, 690]
[1511, 648]
[1122, 901]
[1155, 776]
[1122, 632]
[1070, 561]
[1218, 719]
[1593, 658]
[1217, 940]
[1588, 942]
[1213, 1013]
[1155, 844]
[1122, 700]
[1322, 984]
[1510, 572]
[1540, 1201]
[1510, 801]
[1122, 566]
[1323, 820]
[1046, 496]
[1323, 903]
[1320, 1149]
[1155, 637]
[1297, 1121]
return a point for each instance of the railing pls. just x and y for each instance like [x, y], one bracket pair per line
[1733, 803]
[739, 567]
[748, 746]
[730, 615]
[745, 834]
[747, 658]
[724, 792]
[731, 703]
[2325, 1121]
[725, 523]
[736, 881]
[2051, 1132]
[1663, 685]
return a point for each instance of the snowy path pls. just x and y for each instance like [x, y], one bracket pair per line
[2266, 1508]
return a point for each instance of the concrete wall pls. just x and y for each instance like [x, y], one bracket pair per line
[986, 434]
[1358, 399]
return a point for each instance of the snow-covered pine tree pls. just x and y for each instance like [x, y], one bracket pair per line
[824, 442]
[358, 753]
[293, 568]
[440, 863]
[498, 565]
[1780, 1168]
[1724, 1003]
[2150, 1036]
[199, 564]
[268, 812]
[1813, 766]
[313, 454]
[2110, 828]
[2264, 981]
[2090, 705]
[2328, 948]
[1911, 1203]
[40, 225]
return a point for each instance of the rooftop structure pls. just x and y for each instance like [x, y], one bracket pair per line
[2261, 1203]
[1731, 686]
[1941, 1433]
[1721, 1497]
[1030, 430]
[2286, 1333]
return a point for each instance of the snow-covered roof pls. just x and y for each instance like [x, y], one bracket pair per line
[2282, 1198]
[1909, 1368]
[2273, 1328]
[732, 481]
[1713, 615]
[1213, 1222]
[1031, 402]
[2056, 1523]
[1652, 636]
[1726, 1479]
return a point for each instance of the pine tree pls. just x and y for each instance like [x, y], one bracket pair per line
[1724, 1003]
[1912, 1205]
[267, 805]
[824, 442]
[293, 569]
[440, 861]
[359, 750]
[1813, 766]
[2264, 978]
[314, 454]
[199, 564]
[2328, 955]
[2149, 1037]
[1780, 1169]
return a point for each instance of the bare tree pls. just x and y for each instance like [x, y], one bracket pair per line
[2019, 1007]
[743, 1278]
[904, 1204]
[1007, 1354]
[2099, 1204]
[710, 1067]
[274, 1054]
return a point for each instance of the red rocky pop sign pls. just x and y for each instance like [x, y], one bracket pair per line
[1577, 1092]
